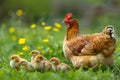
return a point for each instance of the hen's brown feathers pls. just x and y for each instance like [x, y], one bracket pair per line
[76, 45]
[91, 44]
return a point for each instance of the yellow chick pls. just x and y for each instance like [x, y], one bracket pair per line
[34, 53]
[14, 61]
[42, 64]
[57, 66]
[27, 65]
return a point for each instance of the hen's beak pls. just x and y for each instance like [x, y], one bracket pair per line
[63, 21]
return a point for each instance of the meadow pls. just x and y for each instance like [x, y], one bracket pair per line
[18, 38]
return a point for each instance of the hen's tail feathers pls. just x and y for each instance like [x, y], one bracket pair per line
[110, 31]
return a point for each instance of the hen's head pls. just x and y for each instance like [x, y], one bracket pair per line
[68, 19]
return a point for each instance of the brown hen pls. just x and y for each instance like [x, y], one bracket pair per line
[83, 47]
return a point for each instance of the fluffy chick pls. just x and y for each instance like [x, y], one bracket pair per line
[14, 61]
[27, 65]
[34, 53]
[42, 64]
[57, 66]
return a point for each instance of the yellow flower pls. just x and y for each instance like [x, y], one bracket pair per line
[50, 51]
[57, 25]
[43, 23]
[33, 26]
[21, 41]
[55, 29]
[42, 51]
[11, 30]
[25, 48]
[45, 40]
[4, 63]
[19, 12]
[47, 28]
[38, 47]
[14, 38]
[20, 53]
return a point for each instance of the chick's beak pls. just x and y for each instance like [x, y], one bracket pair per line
[19, 63]
[11, 58]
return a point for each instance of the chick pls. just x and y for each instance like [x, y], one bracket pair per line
[42, 64]
[47, 66]
[34, 53]
[57, 66]
[14, 61]
[27, 65]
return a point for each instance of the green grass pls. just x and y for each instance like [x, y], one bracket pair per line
[34, 40]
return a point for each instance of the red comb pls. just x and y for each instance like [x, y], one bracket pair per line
[68, 15]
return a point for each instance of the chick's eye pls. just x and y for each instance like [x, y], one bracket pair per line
[41, 57]
[22, 61]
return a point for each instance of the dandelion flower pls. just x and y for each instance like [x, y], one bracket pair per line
[42, 51]
[20, 53]
[21, 41]
[19, 12]
[50, 51]
[57, 25]
[14, 38]
[25, 48]
[38, 47]
[11, 30]
[56, 29]
[43, 23]
[47, 28]
[33, 26]
[45, 40]
[4, 63]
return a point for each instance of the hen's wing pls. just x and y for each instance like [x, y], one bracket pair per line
[76, 45]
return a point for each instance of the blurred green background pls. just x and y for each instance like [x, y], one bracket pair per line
[89, 12]
[39, 24]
